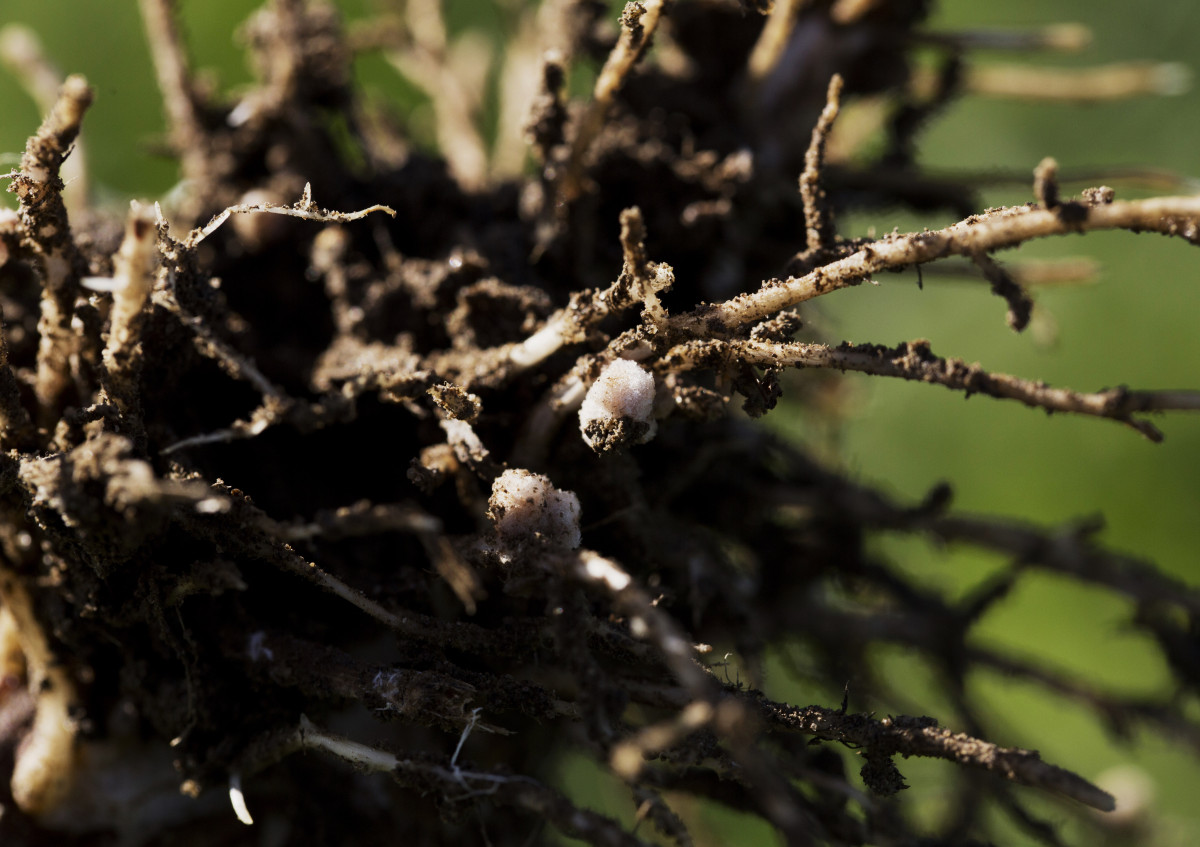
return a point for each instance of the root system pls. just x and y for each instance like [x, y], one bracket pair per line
[295, 462]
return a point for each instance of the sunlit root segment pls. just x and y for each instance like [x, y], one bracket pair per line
[46, 758]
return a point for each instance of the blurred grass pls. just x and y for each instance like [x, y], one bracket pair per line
[1137, 325]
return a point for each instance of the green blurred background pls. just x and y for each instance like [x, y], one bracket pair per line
[1135, 324]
